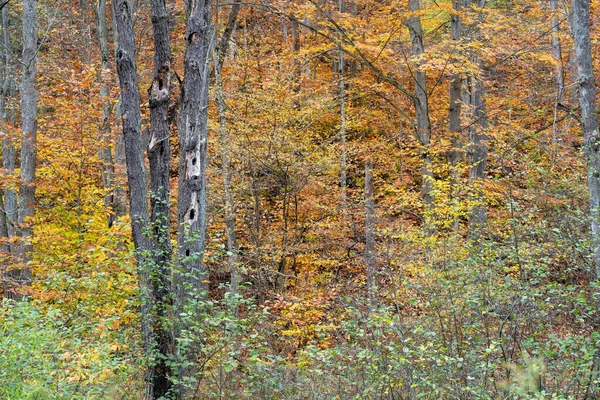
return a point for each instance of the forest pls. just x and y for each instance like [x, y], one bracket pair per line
[284, 199]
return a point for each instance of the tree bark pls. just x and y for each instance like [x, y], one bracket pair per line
[477, 150]
[26, 205]
[191, 276]
[159, 155]
[580, 26]
[370, 259]
[107, 167]
[151, 261]
[421, 104]
[455, 154]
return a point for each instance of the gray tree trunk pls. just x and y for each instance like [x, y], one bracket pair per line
[107, 167]
[159, 155]
[580, 26]
[557, 52]
[26, 205]
[421, 104]
[477, 147]
[191, 276]
[230, 209]
[6, 224]
[370, 258]
[455, 154]
[151, 262]
[8, 148]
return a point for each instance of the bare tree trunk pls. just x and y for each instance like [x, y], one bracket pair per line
[557, 52]
[24, 248]
[152, 261]
[232, 247]
[477, 150]
[343, 160]
[191, 277]
[422, 110]
[560, 78]
[370, 258]
[455, 154]
[8, 148]
[107, 168]
[6, 225]
[580, 26]
[159, 155]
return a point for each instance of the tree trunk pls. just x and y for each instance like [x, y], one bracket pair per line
[477, 150]
[455, 154]
[370, 258]
[580, 26]
[422, 110]
[232, 247]
[107, 167]
[8, 208]
[159, 155]
[191, 277]
[151, 263]
[24, 248]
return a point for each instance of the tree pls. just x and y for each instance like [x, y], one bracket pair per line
[580, 26]
[421, 104]
[152, 242]
[26, 203]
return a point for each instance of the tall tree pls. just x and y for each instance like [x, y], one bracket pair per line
[580, 27]
[455, 154]
[22, 274]
[191, 276]
[153, 254]
[421, 104]
[477, 147]
[107, 166]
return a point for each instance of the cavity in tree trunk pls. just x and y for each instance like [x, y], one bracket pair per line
[151, 261]
[422, 109]
[191, 277]
[580, 26]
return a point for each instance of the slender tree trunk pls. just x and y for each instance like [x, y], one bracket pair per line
[8, 155]
[26, 205]
[422, 110]
[107, 168]
[343, 158]
[8, 148]
[580, 26]
[191, 277]
[230, 211]
[477, 150]
[560, 78]
[455, 154]
[370, 258]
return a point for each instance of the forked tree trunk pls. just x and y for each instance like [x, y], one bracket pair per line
[22, 274]
[150, 258]
[580, 26]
